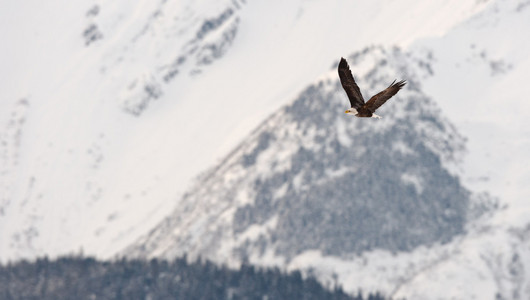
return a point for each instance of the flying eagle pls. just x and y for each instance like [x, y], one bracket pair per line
[358, 107]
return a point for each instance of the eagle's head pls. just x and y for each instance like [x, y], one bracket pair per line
[351, 111]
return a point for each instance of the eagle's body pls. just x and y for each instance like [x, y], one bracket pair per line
[358, 107]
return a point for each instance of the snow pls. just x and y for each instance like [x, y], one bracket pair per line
[79, 172]
[254, 231]
[474, 267]
[413, 180]
[487, 104]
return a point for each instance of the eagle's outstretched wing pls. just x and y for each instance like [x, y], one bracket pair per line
[380, 98]
[349, 85]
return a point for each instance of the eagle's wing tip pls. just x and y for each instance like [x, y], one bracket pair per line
[400, 83]
[343, 63]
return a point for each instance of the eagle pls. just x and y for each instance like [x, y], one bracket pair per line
[358, 107]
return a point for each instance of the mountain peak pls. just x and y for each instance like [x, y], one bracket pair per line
[312, 178]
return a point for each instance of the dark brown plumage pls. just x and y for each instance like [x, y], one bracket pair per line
[358, 107]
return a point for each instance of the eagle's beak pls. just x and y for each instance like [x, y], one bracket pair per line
[346, 111]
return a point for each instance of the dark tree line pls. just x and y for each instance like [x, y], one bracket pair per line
[88, 278]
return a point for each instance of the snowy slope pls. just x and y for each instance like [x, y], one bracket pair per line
[485, 60]
[75, 159]
[109, 109]
[485, 63]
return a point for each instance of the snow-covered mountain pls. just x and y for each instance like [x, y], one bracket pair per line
[109, 110]
[310, 189]
[311, 179]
